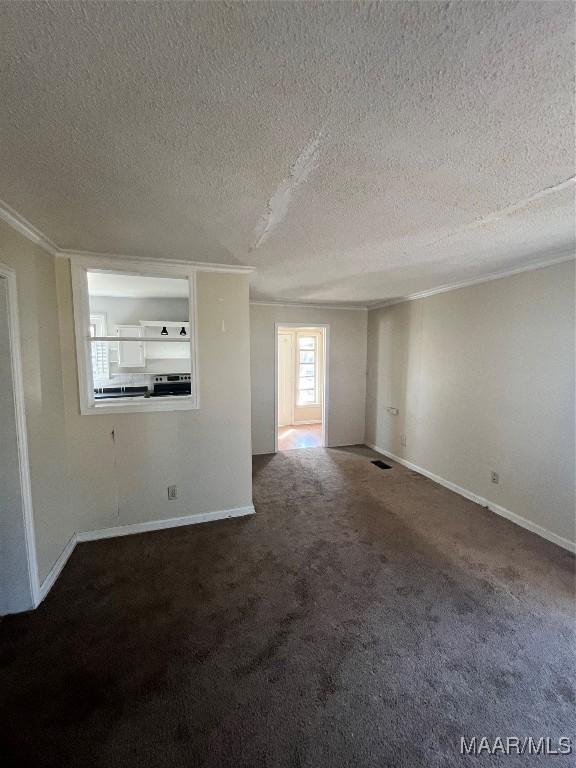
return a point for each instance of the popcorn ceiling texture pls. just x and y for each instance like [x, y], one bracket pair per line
[368, 150]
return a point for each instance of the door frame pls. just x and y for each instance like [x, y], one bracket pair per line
[9, 275]
[292, 351]
[325, 369]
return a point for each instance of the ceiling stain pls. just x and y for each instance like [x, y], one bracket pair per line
[280, 201]
[509, 210]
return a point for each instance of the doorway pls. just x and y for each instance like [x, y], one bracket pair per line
[300, 392]
[18, 569]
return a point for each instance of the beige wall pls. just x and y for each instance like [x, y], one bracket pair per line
[83, 479]
[484, 380]
[206, 453]
[44, 398]
[346, 371]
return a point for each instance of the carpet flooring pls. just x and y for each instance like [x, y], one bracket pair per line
[363, 617]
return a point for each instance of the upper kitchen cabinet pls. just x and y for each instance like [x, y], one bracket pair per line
[130, 354]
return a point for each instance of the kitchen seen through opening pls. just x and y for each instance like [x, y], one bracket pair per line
[139, 336]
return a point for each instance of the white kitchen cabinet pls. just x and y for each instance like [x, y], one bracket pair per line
[131, 354]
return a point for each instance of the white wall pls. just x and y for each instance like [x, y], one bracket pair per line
[123, 479]
[43, 392]
[484, 380]
[346, 373]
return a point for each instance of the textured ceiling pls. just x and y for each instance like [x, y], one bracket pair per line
[352, 152]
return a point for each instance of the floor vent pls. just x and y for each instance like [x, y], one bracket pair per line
[381, 464]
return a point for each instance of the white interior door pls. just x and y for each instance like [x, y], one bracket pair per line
[15, 589]
[285, 379]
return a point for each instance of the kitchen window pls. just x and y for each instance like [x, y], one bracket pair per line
[135, 326]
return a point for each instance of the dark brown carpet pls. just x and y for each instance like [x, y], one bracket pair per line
[363, 617]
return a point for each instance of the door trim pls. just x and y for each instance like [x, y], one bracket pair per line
[293, 374]
[326, 371]
[9, 275]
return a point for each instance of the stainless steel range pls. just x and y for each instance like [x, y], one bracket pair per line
[159, 386]
[171, 384]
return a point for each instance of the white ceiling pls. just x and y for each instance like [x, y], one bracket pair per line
[136, 286]
[352, 152]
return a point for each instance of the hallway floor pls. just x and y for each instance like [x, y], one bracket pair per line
[299, 436]
[363, 618]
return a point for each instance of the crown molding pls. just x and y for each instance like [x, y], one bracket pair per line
[297, 305]
[32, 233]
[24, 227]
[475, 281]
[431, 291]
[200, 266]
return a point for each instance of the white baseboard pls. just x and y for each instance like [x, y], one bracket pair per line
[126, 530]
[496, 508]
[158, 525]
[56, 569]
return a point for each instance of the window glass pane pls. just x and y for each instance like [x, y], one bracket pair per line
[306, 342]
[307, 383]
[307, 357]
[130, 374]
[154, 313]
[306, 370]
[306, 396]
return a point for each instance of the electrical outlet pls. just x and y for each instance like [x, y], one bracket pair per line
[172, 492]
[495, 477]
[403, 441]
